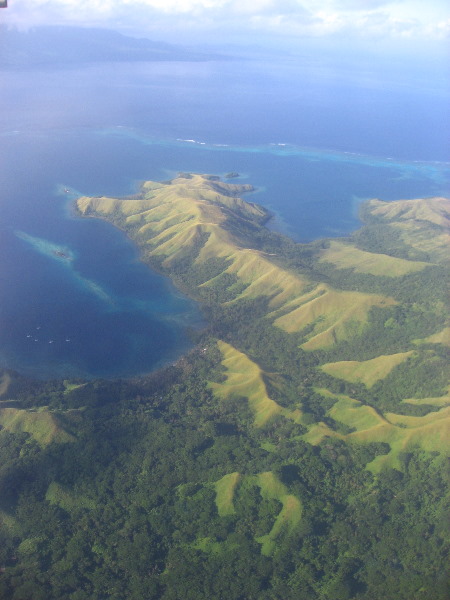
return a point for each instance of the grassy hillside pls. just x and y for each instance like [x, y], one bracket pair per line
[346, 256]
[245, 380]
[225, 488]
[400, 432]
[418, 228]
[441, 337]
[285, 518]
[289, 516]
[367, 371]
[197, 218]
[44, 426]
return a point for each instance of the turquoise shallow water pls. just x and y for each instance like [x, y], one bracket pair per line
[74, 297]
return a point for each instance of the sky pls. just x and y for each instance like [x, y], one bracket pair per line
[254, 21]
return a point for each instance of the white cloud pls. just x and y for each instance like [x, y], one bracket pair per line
[363, 5]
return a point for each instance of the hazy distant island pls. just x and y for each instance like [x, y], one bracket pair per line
[53, 45]
[296, 452]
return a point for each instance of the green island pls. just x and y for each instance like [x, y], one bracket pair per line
[298, 451]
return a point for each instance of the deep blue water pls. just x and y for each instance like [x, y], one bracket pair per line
[314, 142]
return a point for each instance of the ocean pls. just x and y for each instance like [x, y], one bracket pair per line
[314, 140]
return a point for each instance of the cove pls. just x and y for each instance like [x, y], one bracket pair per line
[75, 299]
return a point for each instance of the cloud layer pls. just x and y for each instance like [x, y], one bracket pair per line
[222, 19]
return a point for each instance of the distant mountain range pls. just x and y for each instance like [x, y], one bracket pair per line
[55, 46]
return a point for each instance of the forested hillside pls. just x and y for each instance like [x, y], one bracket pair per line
[298, 451]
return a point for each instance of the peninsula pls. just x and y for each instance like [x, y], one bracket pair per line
[353, 308]
[297, 451]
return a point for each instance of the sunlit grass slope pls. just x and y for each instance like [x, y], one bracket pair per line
[422, 224]
[225, 488]
[244, 378]
[70, 386]
[289, 516]
[431, 432]
[337, 315]
[439, 401]
[271, 488]
[367, 371]
[43, 425]
[442, 337]
[344, 255]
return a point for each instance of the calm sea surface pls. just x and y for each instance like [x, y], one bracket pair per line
[314, 141]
